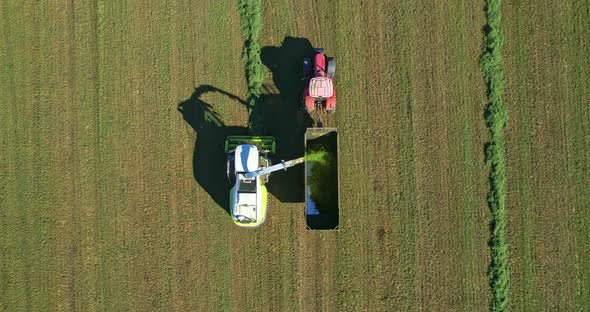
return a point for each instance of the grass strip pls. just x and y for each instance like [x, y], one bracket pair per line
[251, 21]
[496, 117]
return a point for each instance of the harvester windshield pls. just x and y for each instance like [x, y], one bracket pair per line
[246, 185]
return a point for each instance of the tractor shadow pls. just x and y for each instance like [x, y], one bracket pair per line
[283, 114]
[209, 157]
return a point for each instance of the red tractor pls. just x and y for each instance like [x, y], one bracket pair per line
[319, 90]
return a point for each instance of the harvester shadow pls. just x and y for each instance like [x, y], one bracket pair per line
[209, 157]
[280, 112]
[283, 114]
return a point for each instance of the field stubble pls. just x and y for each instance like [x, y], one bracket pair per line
[546, 67]
[102, 207]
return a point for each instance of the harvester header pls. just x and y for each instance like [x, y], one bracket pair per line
[265, 144]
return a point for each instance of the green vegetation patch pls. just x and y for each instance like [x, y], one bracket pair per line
[323, 176]
[496, 118]
[251, 21]
[323, 182]
[318, 157]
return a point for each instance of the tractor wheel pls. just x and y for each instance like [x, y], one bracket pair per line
[307, 69]
[331, 103]
[309, 101]
[309, 104]
[331, 67]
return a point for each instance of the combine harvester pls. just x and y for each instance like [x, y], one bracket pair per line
[249, 165]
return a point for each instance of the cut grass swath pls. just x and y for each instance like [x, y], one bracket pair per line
[496, 118]
[251, 20]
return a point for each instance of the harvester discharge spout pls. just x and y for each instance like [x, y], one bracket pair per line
[267, 170]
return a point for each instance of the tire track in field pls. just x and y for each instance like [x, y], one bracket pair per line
[352, 264]
[578, 131]
[117, 244]
[436, 197]
[469, 96]
[521, 195]
[405, 168]
[147, 221]
[546, 99]
[63, 154]
[382, 101]
[34, 109]
[190, 231]
[23, 181]
[85, 52]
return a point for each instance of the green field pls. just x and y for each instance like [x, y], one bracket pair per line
[112, 170]
[547, 67]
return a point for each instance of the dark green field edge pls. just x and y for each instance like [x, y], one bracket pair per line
[496, 118]
[251, 20]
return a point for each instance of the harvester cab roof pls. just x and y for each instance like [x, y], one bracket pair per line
[246, 158]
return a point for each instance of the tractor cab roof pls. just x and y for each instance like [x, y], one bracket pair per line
[246, 158]
[321, 87]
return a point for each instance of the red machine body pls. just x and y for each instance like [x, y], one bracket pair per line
[319, 91]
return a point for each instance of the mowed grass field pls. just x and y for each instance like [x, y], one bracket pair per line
[548, 141]
[112, 197]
